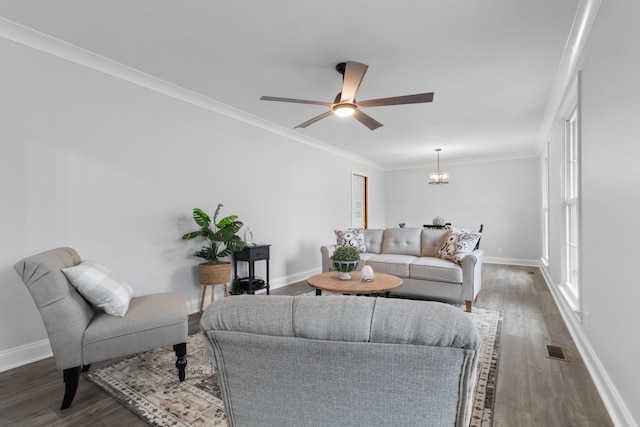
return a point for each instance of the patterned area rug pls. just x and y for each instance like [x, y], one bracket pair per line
[148, 383]
[489, 324]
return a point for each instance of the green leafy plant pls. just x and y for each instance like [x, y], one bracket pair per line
[220, 235]
[346, 253]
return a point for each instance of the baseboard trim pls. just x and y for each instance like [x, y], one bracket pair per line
[618, 411]
[511, 261]
[23, 355]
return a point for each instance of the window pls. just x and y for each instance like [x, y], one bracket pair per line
[572, 208]
[544, 174]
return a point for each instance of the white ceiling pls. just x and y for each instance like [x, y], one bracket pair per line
[491, 63]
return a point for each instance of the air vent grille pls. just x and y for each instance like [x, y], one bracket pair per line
[555, 352]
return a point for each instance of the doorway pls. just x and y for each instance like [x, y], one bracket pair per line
[359, 201]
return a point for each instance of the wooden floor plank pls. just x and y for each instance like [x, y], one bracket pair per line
[550, 403]
[512, 389]
[506, 416]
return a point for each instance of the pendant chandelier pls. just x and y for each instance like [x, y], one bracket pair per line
[438, 177]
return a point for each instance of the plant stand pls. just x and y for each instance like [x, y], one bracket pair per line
[213, 293]
[213, 275]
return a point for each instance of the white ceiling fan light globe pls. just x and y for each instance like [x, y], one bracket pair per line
[344, 110]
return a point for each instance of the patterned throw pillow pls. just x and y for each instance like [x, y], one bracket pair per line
[99, 287]
[351, 237]
[458, 244]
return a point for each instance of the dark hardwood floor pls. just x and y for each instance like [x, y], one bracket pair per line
[532, 390]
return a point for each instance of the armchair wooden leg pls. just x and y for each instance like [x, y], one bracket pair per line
[71, 377]
[181, 363]
[468, 304]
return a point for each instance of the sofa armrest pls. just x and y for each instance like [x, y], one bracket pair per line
[327, 252]
[472, 274]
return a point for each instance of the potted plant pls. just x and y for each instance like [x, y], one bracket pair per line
[221, 241]
[345, 259]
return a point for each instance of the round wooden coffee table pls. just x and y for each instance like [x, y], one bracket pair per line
[331, 282]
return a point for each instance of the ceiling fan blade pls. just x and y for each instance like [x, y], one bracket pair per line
[353, 75]
[315, 119]
[299, 101]
[397, 100]
[366, 120]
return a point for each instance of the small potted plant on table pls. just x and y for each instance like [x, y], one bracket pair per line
[345, 259]
[221, 241]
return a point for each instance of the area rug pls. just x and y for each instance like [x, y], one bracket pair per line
[148, 383]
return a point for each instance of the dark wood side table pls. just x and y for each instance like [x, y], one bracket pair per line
[251, 254]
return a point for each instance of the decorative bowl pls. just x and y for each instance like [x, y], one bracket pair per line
[345, 267]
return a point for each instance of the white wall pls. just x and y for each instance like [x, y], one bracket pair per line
[113, 169]
[502, 195]
[610, 67]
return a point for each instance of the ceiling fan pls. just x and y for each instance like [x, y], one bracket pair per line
[345, 103]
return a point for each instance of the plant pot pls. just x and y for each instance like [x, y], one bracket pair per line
[215, 274]
[345, 267]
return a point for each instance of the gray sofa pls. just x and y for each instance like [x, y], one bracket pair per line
[412, 254]
[342, 361]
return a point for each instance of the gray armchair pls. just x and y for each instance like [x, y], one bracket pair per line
[342, 361]
[80, 335]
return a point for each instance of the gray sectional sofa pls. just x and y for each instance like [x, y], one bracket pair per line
[412, 254]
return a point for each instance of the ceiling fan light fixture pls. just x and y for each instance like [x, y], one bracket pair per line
[344, 110]
[438, 177]
[345, 105]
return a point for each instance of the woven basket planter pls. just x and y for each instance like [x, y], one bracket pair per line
[215, 274]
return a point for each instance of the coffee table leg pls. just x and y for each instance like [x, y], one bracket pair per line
[387, 294]
[318, 292]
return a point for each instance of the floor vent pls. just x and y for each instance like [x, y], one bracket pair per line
[555, 352]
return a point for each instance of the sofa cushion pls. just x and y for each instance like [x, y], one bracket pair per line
[373, 239]
[351, 237]
[433, 268]
[432, 240]
[397, 265]
[458, 244]
[402, 241]
[366, 256]
[151, 322]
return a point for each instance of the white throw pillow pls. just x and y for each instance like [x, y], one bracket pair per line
[100, 287]
[351, 237]
[458, 244]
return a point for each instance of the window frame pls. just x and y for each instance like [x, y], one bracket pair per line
[570, 286]
[546, 232]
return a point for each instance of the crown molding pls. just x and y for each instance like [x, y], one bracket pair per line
[26, 36]
[467, 161]
[577, 40]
